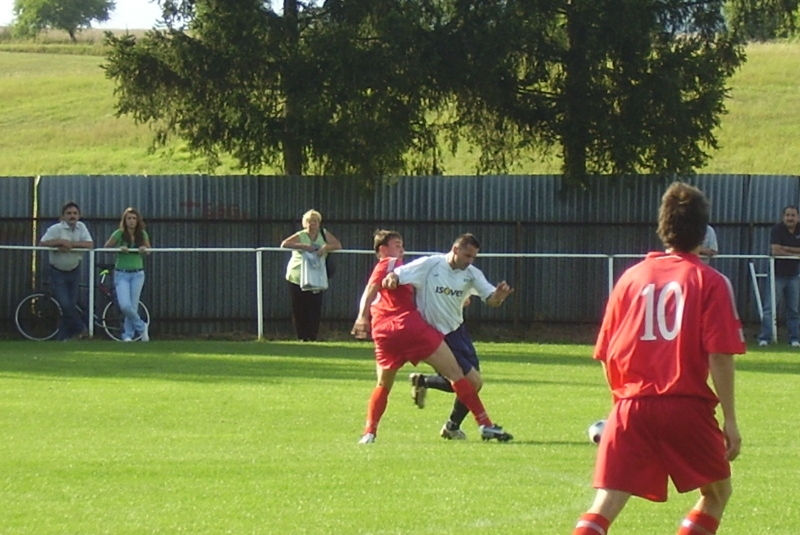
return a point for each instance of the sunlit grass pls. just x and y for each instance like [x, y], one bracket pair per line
[57, 117]
[260, 437]
[755, 137]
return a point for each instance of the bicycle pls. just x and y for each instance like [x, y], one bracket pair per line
[38, 314]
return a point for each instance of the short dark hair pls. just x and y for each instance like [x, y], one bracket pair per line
[383, 237]
[467, 239]
[69, 204]
[683, 217]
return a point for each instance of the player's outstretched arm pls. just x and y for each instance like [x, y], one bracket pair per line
[721, 367]
[501, 293]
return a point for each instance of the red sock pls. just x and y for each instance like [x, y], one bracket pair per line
[376, 408]
[698, 523]
[467, 395]
[591, 524]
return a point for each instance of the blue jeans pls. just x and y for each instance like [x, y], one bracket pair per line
[129, 289]
[788, 290]
[66, 285]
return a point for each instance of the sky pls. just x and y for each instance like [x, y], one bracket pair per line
[127, 15]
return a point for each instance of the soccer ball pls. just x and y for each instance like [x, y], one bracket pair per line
[595, 431]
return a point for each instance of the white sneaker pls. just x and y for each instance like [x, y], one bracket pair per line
[452, 434]
[146, 333]
[763, 343]
[126, 339]
[367, 438]
[795, 343]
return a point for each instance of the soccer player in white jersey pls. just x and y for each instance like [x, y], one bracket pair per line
[401, 335]
[444, 284]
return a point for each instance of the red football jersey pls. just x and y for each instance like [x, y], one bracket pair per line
[390, 303]
[664, 317]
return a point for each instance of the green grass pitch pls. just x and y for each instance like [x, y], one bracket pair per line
[209, 437]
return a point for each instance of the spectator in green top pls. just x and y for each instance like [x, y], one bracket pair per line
[307, 306]
[133, 242]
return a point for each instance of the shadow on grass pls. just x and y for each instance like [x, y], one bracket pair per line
[273, 362]
[569, 443]
[780, 367]
[219, 361]
[187, 361]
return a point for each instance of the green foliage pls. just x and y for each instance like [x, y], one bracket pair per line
[762, 20]
[33, 16]
[368, 87]
[641, 97]
[331, 91]
[208, 437]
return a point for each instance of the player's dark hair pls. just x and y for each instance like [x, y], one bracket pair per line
[683, 217]
[70, 204]
[467, 239]
[787, 207]
[383, 237]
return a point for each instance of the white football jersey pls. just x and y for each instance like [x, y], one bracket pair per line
[442, 290]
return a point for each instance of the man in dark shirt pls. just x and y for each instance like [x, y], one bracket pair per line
[784, 241]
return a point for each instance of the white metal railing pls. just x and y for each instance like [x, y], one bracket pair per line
[258, 252]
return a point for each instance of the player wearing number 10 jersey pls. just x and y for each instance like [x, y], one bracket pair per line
[669, 323]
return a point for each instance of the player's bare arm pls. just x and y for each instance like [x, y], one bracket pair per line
[361, 327]
[500, 294]
[721, 367]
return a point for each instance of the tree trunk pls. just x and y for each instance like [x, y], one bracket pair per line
[292, 146]
[575, 128]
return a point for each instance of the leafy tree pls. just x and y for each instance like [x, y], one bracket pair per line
[615, 86]
[33, 16]
[762, 20]
[372, 87]
[337, 89]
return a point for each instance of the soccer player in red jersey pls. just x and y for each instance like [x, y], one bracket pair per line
[402, 335]
[669, 323]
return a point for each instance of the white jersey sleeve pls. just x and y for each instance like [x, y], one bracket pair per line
[480, 285]
[416, 272]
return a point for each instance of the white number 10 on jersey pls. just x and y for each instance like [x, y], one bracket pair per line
[655, 312]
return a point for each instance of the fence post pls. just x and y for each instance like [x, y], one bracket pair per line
[772, 303]
[91, 304]
[260, 293]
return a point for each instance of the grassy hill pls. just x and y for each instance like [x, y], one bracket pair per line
[57, 117]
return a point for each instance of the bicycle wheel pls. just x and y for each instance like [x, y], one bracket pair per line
[37, 316]
[113, 319]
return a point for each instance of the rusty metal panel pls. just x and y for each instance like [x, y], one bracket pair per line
[202, 197]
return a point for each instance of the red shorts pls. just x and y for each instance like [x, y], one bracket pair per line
[404, 338]
[648, 440]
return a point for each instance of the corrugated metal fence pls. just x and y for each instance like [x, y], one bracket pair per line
[204, 293]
